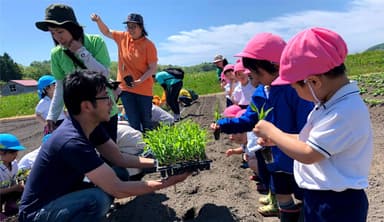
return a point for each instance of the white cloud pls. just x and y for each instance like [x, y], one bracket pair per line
[361, 27]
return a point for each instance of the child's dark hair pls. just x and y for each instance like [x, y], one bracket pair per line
[76, 31]
[225, 62]
[332, 74]
[145, 33]
[255, 64]
[82, 86]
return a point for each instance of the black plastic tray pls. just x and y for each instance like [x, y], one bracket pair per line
[180, 168]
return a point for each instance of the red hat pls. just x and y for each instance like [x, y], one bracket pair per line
[264, 46]
[311, 52]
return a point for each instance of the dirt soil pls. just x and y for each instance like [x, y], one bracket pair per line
[223, 193]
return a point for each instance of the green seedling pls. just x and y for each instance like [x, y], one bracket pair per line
[217, 113]
[262, 114]
[217, 116]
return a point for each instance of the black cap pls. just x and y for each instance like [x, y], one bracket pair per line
[135, 18]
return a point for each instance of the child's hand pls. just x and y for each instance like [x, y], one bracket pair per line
[229, 152]
[215, 126]
[264, 129]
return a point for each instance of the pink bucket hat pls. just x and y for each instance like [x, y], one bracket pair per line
[264, 46]
[240, 113]
[228, 67]
[231, 111]
[313, 51]
[239, 66]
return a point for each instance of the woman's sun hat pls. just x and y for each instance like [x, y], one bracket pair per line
[264, 46]
[218, 58]
[58, 15]
[9, 142]
[313, 51]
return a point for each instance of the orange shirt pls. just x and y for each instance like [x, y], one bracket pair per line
[134, 59]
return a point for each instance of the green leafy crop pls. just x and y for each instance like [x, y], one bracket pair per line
[182, 142]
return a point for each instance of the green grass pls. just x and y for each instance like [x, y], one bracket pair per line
[18, 105]
[367, 62]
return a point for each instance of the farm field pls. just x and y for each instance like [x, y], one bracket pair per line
[223, 193]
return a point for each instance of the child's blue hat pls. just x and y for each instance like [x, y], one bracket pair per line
[9, 142]
[43, 82]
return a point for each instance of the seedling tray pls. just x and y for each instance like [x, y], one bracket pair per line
[180, 168]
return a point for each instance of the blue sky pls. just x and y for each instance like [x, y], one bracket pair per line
[191, 32]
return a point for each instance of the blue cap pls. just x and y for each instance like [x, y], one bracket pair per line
[43, 82]
[10, 142]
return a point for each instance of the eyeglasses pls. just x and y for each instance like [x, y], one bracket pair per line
[132, 26]
[103, 98]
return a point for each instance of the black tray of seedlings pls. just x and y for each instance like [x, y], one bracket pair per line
[180, 168]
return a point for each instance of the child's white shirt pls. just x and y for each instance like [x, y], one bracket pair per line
[252, 145]
[42, 108]
[7, 176]
[26, 162]
[227, 88]
[341, 130]
[242, 94]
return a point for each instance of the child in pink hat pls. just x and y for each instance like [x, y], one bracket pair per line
[289, 112]
[230, 83]
[333, 151]
[244, 90]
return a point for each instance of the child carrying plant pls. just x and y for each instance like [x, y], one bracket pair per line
[289, 112]
[10, 188]
[333, 152]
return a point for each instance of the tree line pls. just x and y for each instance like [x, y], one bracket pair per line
[10, 70]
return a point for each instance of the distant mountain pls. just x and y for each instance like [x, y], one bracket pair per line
[376, 47]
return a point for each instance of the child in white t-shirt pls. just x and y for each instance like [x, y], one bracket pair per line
[45, 89]
[10, 188]
[333, 151]
[243, 92]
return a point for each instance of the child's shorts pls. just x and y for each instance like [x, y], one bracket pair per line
[348, 205]
[284, 183]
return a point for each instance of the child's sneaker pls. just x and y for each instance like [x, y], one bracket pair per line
[271, 210]
[268, 199]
